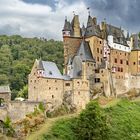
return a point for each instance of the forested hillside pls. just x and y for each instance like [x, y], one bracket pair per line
[18, 54]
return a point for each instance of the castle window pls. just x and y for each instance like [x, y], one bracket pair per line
[134, 63]
[97, 50]
[56, 88]
[127, 63]
[121, 69]
[49, 88]
[97, 58]
[125, 54]
[88, 64]
[115, 60]
[100, 42]
[121, 61]
[118, 69]
[97, 80]
[52, 96]
[101, 52]
[67, 84]
[50, 72]
[120, 53]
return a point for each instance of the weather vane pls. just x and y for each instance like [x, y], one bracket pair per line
[88, 8]
[74, 13]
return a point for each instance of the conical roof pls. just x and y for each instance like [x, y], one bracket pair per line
[84, 52]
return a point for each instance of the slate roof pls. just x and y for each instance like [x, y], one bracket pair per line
[50, 69]
[5, 89]
[117, 33]
[85, 52]
[76, 70]
[92, 28]
[67, 26]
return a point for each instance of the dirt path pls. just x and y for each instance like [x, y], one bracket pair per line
[46, 127]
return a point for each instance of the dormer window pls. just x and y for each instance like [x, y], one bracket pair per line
[50, 72]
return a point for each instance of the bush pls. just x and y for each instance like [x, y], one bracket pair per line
[92, 124]
[89, 125]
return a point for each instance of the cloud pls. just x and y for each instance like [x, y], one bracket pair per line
[28, 19]
[45, 18]
[119, 12]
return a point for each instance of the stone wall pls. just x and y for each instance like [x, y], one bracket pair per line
[17, 110]
[3, 112]
[96, 46]
[71, 46]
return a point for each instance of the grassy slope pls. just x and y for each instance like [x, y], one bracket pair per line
[123, 120]
[47, 127]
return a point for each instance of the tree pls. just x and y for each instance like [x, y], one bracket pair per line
[23, 92]
[91, 124]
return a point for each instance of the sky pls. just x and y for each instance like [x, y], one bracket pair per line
[45, 18]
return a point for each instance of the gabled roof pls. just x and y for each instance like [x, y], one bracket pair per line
[85, 52]
[50, 69]
[5, 89]
[117, 33]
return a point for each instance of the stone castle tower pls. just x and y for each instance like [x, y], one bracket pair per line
[71, 39]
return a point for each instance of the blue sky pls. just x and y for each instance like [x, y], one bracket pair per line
[45, 18]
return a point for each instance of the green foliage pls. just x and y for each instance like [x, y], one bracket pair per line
[18, 54]
[7, 122]
[124, 121]
[8, 130]
[23, 92]
[41, 107]
[62, 130]
[118, 122]
[91, 124]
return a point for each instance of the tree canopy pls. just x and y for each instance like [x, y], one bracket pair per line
[17, 55]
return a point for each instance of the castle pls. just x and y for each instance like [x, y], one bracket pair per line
[94, 56]
[98, 59]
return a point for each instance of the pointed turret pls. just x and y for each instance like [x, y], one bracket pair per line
[67, 28]
[40, 68]
[76, 26]
[83, 30]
